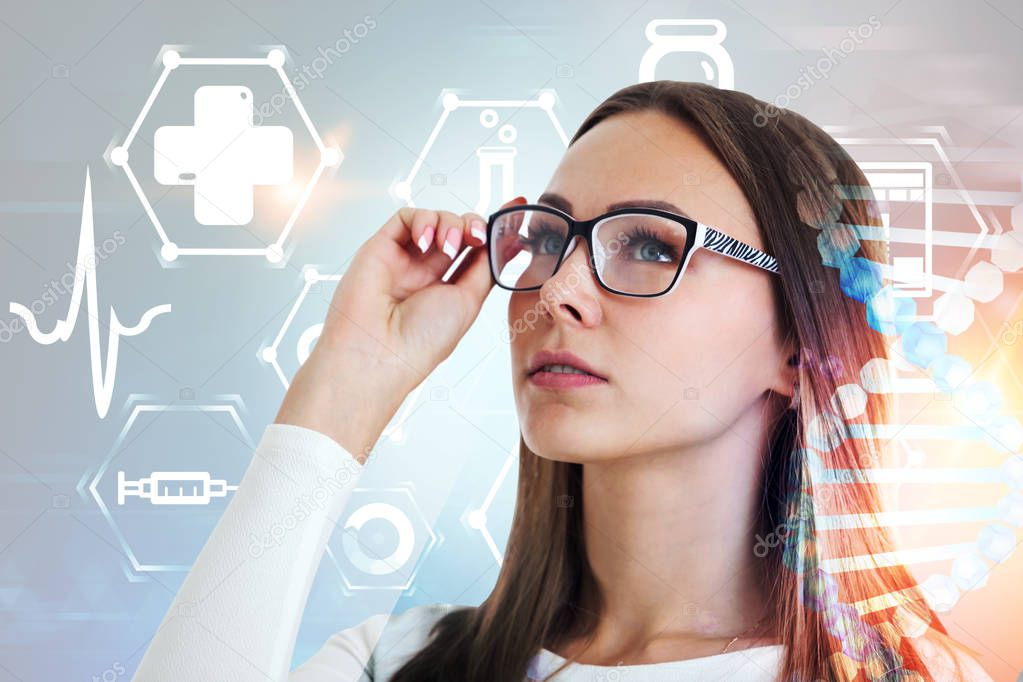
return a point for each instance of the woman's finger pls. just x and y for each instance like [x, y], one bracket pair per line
[424, 228]
[476, 229]
[449, 234]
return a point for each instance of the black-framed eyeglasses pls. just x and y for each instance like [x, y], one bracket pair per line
[634, 251]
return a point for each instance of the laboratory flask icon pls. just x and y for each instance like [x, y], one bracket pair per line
[704, 50]
[501, 160]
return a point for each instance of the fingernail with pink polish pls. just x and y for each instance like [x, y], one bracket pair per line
[449, 242]
[478, 230]
[425, 239]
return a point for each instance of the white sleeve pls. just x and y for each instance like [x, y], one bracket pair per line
[237, 614]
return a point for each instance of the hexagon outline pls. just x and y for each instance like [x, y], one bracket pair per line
[269, 354]
[119, 441]
[477, 518]
[329, 156]
[983, 238]
[451, 101]
[435, 540]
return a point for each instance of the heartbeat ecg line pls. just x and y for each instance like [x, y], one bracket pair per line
[102, 380]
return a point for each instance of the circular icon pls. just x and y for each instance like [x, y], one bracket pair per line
[507, 133]
[488, 118]
[382, 565]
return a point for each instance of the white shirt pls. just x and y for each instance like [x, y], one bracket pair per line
[397, 638]
[237, 614]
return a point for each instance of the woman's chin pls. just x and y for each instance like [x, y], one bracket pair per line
[562, 441]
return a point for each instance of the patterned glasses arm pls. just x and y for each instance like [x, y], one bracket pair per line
[720, 242]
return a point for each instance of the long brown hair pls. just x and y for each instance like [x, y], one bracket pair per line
[804, 190]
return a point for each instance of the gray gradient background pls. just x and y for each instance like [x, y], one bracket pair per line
[75, 76]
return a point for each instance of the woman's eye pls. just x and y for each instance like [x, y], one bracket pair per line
[646, 246]
[654, 250]
[543, 242]
[553, 240]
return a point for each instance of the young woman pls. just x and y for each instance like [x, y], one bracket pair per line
[680, 316]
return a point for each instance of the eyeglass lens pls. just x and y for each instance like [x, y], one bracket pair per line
[633, 253]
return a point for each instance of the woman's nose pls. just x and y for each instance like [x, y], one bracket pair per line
[572, 293]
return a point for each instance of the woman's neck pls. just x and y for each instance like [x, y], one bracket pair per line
[670, 539]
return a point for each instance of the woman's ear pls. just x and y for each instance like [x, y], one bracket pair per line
[788, 373]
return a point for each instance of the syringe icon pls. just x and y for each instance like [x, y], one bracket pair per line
[173, 487]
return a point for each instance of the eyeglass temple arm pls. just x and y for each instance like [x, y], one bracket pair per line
[720, 242]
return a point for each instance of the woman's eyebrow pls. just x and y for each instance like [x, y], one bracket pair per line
[649, 203]
[556, 200]
[561, 203]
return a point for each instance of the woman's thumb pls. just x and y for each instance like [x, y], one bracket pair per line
[473, 275]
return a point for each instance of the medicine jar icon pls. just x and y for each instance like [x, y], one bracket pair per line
[706, 50]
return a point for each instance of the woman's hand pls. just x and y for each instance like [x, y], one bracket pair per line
[392, 320]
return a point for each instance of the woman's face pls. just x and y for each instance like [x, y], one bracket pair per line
[680, 368]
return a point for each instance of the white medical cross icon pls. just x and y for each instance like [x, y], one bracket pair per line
[223, 155]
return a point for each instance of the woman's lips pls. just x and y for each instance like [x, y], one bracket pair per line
[563, 380]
